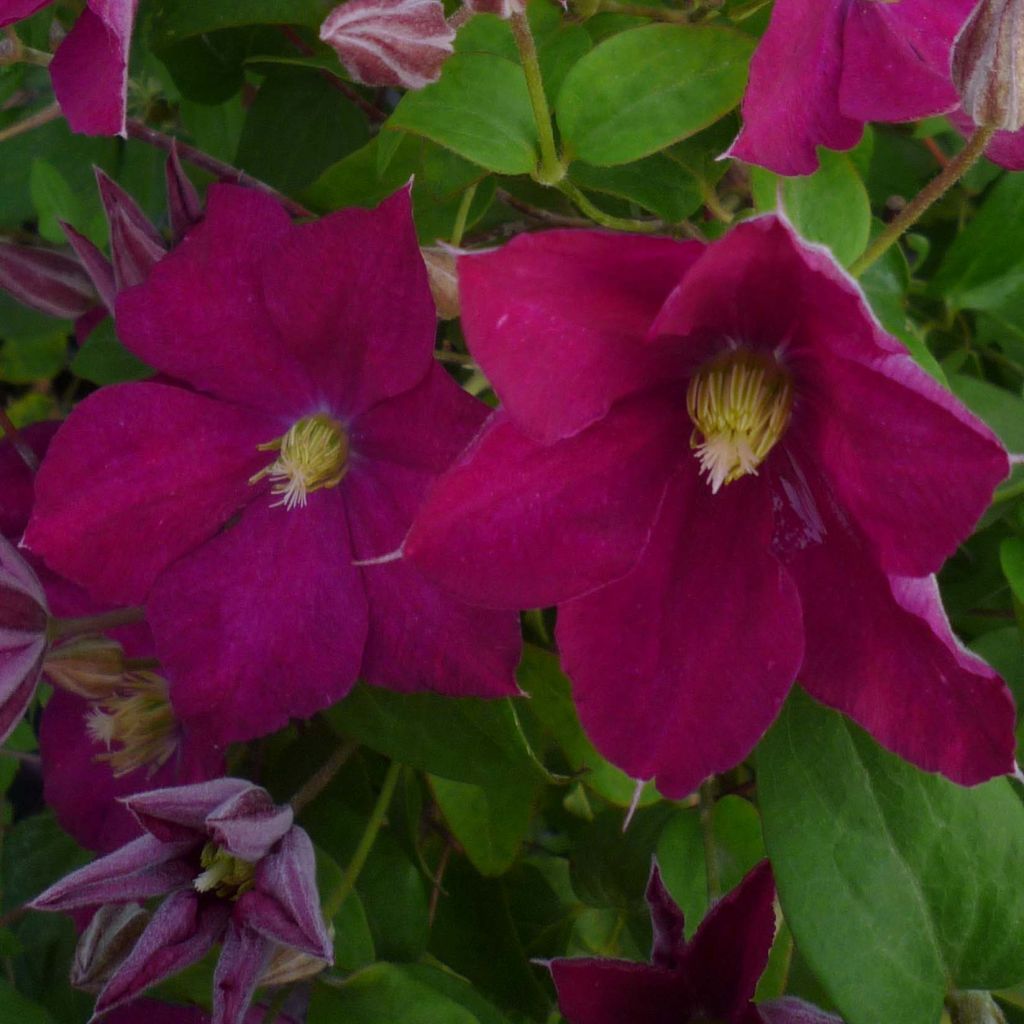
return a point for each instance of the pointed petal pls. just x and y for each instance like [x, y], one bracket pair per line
[350, 294]
[201, 315]
[138, 475]
[249, 823]
[243, 956]
[96, 265]
[601, 991]
[713, 628]
[135, 244]
[284, 640]
[17, 481]
[178, 813]
[184, 206]
[20, 670]
[143, 868]
[535, 321]
[792, 101]
[880, 649]
[794, 1011]
[284, 905]
[181, 932]
[45, 280]
[729, 950]
[517, 524]
[90, 68]
[666, 921]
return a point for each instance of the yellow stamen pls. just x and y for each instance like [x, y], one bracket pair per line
[313, 454]
[225, 875]
[740, 403]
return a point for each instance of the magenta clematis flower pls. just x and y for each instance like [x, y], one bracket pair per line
[90, 68]
[712, 977]
[727, 476]
[237, 510]
[825, 67]
[234, 870]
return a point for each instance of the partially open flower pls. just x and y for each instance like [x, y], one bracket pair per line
[235, 870]
[988, 65]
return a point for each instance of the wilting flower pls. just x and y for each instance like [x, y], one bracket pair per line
[825, 67]
[234, 870]
[390, 42]
[712, 977]
[988, 65]
[236, 510]
[90, 68]
[727, 476]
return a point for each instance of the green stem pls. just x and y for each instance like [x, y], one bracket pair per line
[60, 628]
[933, 191]
[706, 811]
[640, 11]
[348, 881]
[551, 170]
[598, 216]
[463, 215]
[321, 778]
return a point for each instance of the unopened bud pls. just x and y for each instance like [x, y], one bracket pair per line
[91, 666]
[289, 965]
[108, 939]
[444, 282]
[390, 42]
[988, 64]
[502, 8]
[45, 280]
[183, 204]
[135, 244]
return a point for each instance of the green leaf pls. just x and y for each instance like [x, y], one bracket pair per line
[15, 1007]
[646, 88]
[54, 200]
[657, 183]
[465, 739]
[1002, 410]
[102, 359]
[490, 822]
[1011, 557]
[830, 206]
[479, 108]
[23, 360]
[173, 20]
[353, 943]
[897, 884]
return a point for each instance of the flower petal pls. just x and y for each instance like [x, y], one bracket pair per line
[90, 68]
[143, 868]
[349, 293]
[46, 280]
[20, 669]
[14, 10]
[602, 991]
[249, 823]
[880, 650]
[517, 524]
[201, 315]
[138, 475]
[284, 905]
[284, 639]
[182, 931]
[667, 923]
[17, 481]
[792, 101]
[790, 1010]
[178, 813]
[243, 956]
[554, 319]
[680, 667]
[729, 951]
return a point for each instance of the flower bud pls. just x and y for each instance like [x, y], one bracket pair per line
[444, 281]
[390, 42]
[288, 965]
[988, 64]
[105, 943]
[183, 204]
[502, 8]
[135, 244]
[45, 280]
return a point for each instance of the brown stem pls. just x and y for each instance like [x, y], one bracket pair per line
[218, 168]
[60, 628]
[321, 778]
[26, 124]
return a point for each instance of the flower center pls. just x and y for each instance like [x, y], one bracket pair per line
[224, 874]
[740, 403]
[135, 723]
[313, 454]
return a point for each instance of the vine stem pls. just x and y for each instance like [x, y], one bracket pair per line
[598, 216]
[462, 216]
[60, 628]
[26, 124]
[20, 445]
[706, 811]
[321, 778]
[218, 168]
[933, 191]
[380, 809]
[655, 13]
[551, 170]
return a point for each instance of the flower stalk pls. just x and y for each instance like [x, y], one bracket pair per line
[60, 628]
[606, 220]
[321, 778]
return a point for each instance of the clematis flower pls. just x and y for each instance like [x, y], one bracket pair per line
[310, 420]
[390, 42]
[712, 977]
[728, 477]
[234, 869]
[90, 68]
[825, 67]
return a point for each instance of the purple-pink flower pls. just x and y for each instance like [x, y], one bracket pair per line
[309, 420]
[90, 68]
[234, 869]
[825, 67]
[710, 978]
[728, 477]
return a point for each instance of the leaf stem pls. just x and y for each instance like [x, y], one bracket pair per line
[706, 811]
[380, 809]
[60, 628]
[606, 220]
[641, 11]
[321, 778]
[933, 191]
[462, 216]
[550, 170]
[27, 124]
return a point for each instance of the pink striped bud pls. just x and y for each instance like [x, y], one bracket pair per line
[48, 281]
[988, 64]
[502, 8]
[135, 244]
[390, 42]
